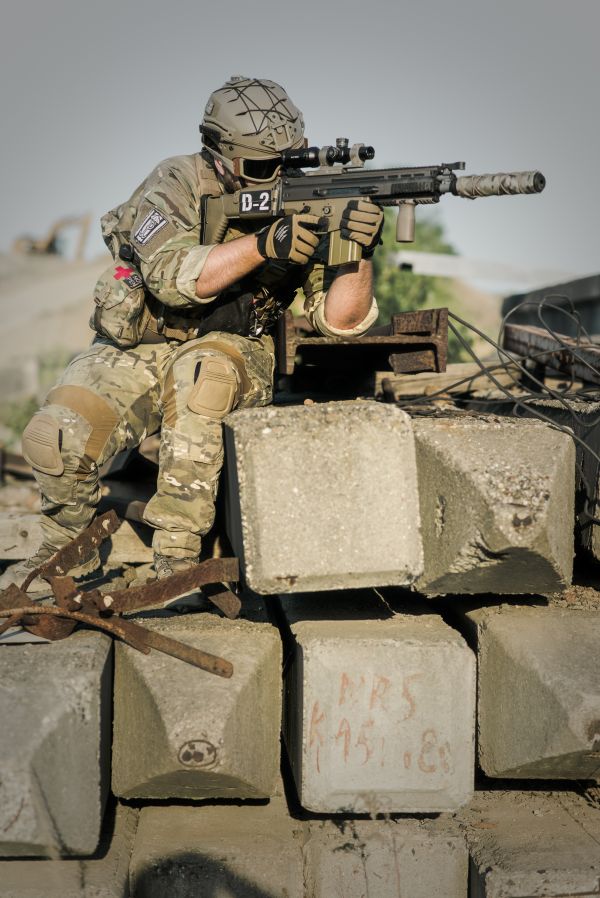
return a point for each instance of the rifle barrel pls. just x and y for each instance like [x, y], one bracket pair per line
[499, 184]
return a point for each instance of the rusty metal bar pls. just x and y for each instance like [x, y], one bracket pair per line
[204, 660]
[214, 570]
[415, 341]
[132, 633]
[573, 358]
[224, 599]
[78, 550]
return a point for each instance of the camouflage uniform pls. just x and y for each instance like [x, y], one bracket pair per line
[112, 396]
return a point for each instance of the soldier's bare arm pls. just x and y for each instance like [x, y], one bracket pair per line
[226, 264]
[350, 297]
[290, 238]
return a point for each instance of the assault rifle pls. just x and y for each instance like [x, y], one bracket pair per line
[340, 177]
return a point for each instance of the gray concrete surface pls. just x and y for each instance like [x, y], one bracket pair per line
[379, 714]
[529, 845]
[229, 852]
[180, 732]
[497, 505]
[105, 875]
[323, 497]
[386, 859]
[538, 692]
[583, 417]
[55, 708]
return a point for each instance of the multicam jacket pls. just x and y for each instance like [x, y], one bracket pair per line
[161, 222]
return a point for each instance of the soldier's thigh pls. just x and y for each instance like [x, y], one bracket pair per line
[214, 374]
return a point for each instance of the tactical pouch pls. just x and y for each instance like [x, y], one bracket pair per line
[121, 313]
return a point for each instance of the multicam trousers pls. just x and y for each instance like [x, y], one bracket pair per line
[110, 399]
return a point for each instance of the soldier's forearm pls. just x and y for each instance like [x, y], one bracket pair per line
[350, 296]
[226, 264]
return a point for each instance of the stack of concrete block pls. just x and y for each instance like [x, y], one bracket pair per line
[380, 714]
[331, 503]
[538, 691]
[180, 732]
[55, 707]
[350, 494]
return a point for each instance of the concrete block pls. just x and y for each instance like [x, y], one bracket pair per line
[497, 505]
[386, 858]
[55, 707]
[180, 732]
[539, 692]
[529, 845]
[583, 418]
[105, 875]
[189, 852]
[379, 714]
[323, 496]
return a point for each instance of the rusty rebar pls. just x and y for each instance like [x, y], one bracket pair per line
[78, 550]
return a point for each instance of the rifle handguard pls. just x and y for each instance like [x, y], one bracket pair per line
[499, 184]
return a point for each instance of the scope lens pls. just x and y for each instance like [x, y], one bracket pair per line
[260, 169]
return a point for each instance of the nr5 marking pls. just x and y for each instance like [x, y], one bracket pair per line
[255, 202]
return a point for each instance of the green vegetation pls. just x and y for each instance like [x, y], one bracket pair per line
[15, 413]
[400, 291]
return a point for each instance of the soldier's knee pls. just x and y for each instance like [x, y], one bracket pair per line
[217, 387]
[42, 444]
[70, 433]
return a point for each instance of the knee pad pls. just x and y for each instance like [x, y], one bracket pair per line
[51, 450]
[42, 444]
[217, 388]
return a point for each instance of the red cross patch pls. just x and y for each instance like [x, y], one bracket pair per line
[121, 272]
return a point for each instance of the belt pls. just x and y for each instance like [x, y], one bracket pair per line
[160, 329]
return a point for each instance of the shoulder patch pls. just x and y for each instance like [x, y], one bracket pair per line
[151, 225]
[135, 280]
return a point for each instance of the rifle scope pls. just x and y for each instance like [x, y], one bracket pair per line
[313, 157]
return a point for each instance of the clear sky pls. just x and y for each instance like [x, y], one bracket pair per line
[94, 94]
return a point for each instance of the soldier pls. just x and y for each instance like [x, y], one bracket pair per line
[183, 321]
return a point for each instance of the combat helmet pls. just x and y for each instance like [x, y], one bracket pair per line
[247, 123]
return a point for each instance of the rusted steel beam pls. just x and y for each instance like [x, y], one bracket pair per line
[103, 610]
[413, 342]
[78, 550]
[132, 633]
[204, 660]
[573, 358]
[159, 592]
[224, 599]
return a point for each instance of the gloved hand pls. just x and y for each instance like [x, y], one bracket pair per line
[362, 221]
[289, 238]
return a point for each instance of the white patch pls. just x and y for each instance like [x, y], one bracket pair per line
[151, 225]
[281, 232]
[172, 480]
[108, 601]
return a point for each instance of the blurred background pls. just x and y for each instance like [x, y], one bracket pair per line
[93, 95]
